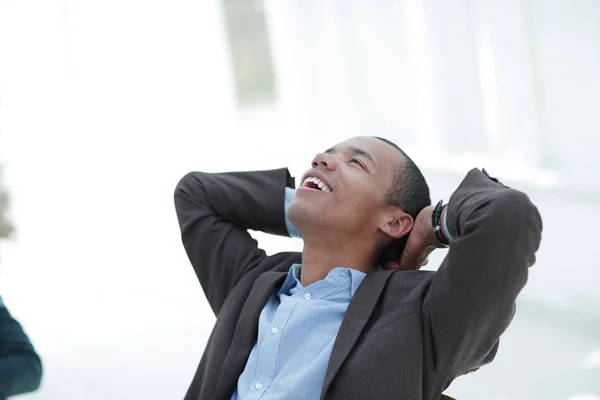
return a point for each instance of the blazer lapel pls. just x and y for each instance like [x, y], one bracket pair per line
[246, 333]
[359, 310]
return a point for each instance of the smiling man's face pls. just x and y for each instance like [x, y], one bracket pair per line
[344, 191]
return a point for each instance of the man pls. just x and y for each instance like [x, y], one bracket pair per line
[20, 366]
[347, 318]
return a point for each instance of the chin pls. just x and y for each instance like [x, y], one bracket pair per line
[301, 213]
[295, 212]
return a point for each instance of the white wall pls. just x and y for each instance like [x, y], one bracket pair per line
[105, 105]
[513, 82]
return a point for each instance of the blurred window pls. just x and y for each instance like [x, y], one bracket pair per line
[250, 52]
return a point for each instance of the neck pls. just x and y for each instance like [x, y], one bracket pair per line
[321, 256]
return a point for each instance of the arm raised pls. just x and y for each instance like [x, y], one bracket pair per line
[471, 301]
[215, 211]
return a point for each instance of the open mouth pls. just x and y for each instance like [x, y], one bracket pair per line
[315, 183]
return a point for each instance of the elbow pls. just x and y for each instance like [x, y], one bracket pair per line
[189, 187]
[514, 216]
[516, 209]
[184, 184]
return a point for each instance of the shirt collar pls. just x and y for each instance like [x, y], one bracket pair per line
[357, 278]
[292, 280]
[338, 275]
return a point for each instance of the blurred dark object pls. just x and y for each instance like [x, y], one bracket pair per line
[6, 228]
[20, 365]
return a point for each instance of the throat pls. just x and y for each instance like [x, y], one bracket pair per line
[320, 257]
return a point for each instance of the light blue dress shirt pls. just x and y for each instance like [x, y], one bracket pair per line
[296, 332]
[289, 197]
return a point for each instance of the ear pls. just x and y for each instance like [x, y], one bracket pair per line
[396, 223]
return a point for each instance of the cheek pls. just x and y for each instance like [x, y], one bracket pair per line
[362, 206]
[362, 196]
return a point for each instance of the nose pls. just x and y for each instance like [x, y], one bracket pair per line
[324, 160]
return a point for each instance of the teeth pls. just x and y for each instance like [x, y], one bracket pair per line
[317, 182]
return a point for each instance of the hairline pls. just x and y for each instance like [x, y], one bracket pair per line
[398, 168]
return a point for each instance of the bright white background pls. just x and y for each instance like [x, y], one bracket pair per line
[105, 105]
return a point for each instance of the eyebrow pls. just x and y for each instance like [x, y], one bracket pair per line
[354, 150]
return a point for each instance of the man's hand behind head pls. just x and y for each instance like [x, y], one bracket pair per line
[419, 245]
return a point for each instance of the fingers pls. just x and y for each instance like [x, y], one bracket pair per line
[391, 265]
[411, 260]
[408, 259]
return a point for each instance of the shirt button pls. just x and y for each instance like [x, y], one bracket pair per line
[274, 330]
[307, 296]
[258, 386]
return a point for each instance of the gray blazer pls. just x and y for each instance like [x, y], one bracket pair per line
[406, 334]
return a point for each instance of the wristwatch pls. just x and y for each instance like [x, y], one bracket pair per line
[436, 222]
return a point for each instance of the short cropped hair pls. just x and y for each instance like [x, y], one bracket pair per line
[409, 192]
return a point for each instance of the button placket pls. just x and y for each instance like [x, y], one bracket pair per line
[269, 349]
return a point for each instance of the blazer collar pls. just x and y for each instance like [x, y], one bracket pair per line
[246, 332]
[359, 311]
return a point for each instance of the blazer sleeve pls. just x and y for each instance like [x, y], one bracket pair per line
[20, 365]
[471, 299]
[215, 211]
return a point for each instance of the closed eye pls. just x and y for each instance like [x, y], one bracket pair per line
[357, 161]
